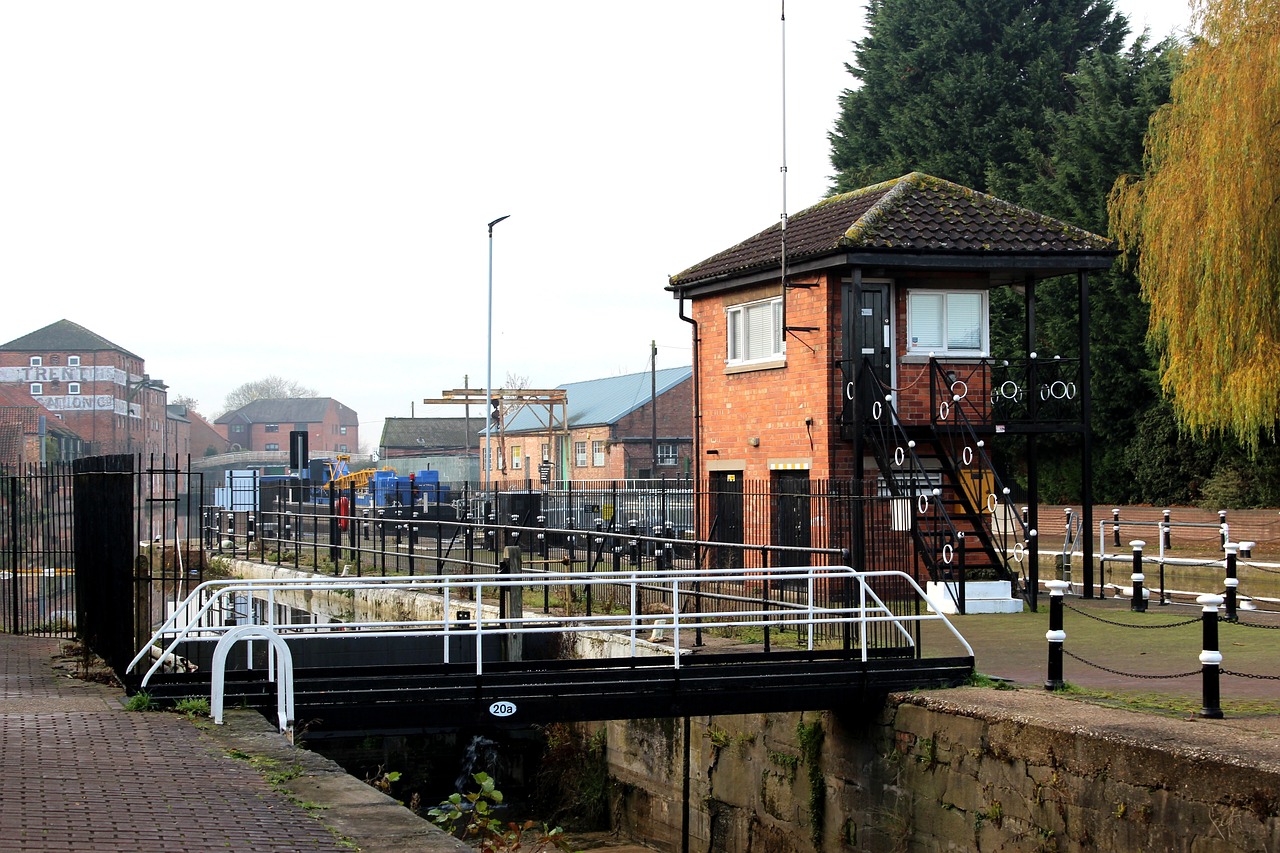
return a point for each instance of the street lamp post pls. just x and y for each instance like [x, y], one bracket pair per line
[488, 371]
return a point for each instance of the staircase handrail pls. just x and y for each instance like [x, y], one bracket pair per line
[884, 417]
[974, 454]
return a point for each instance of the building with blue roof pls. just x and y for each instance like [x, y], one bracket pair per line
[638, 426]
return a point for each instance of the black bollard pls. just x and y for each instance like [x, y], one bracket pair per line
[1210, 657]
[1246, 549]
[1115, 526]
[1166, 531]
[1139, 603]
[1222, 527]
[1232, 581]
[1055, 635]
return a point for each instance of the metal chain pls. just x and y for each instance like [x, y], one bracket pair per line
[1128, 674]
[1127, 625]
[1250, 675]
[1263, 569]
[1256, 625]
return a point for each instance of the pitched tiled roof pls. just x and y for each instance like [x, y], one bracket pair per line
[598, 402]
[64, 336]
[431, 433]
[295, 410]
[915, 213]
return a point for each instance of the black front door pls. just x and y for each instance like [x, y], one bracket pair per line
[791, 516]
[874, 337]
[726, 518]
[868, 340]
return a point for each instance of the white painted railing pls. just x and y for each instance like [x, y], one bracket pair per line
[197, 617]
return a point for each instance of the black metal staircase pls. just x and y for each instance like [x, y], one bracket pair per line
[963, 523]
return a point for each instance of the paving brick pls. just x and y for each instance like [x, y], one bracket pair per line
[79, 773]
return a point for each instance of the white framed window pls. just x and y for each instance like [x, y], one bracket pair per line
[37, 361]
[73, 387]
[73, 361]
[546, 452]
[271, 428]
[667, 454]
[342, 430]
[580, 454]
[597, 453]
[516, 459]
[37, 389]
[755, 331]
[272, 445]
[947, 322]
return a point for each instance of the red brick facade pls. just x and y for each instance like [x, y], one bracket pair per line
[779, 415]
[331, 427]
[103, 394]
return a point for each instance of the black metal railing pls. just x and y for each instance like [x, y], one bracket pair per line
[37, 551]
[1031, 391]
[425, 540]
[918, 489]
[980, 488]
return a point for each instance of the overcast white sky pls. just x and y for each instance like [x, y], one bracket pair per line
[238, 189]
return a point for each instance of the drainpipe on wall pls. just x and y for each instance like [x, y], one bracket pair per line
[697, 408]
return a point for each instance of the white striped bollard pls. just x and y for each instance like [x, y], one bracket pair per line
[1210, 657]
[1232, 581]
[1139, 603]
[1055, 635]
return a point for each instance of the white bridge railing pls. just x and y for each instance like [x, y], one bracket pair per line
[200, 617]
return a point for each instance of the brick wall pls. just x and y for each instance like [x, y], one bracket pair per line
[759, 415]
[108, 387]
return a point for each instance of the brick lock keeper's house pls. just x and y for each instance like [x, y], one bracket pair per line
[861, 353]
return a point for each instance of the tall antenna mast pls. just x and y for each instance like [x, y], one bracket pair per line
[784, 171]
[786, 327]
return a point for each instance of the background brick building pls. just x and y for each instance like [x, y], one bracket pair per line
[331, 427]
[97, 388]
[611, 432]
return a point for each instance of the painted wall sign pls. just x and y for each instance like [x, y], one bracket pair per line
[83, 373]
[79, 403]
[502, 709]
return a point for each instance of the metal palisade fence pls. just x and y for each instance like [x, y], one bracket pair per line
[595, 528]
[96, 547]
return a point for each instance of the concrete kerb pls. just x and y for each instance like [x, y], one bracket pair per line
[352, 809]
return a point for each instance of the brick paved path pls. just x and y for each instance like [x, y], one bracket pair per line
[78, 773]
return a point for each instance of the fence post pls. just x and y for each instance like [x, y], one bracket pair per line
[1222, 528]
[1139, 602]
[960, 552]
[1166, 530]
[1115, 526]
[1210, 657]
[1232, 581]
[1055, 635]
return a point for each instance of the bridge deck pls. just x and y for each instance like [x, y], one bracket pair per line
[473, 664]
[343, 699]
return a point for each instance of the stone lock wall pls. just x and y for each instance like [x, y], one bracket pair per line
[972, 769]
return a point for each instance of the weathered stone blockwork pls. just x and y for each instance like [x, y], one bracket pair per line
[958, 770]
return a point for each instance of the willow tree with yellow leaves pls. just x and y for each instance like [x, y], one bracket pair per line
[1203, 224]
